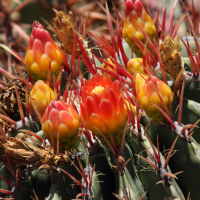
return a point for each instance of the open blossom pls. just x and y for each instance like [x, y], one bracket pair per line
[148, 97]
[103, 107]
[61, 118]
[42, 51]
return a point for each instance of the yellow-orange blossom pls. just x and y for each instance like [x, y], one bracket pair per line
[103, 108]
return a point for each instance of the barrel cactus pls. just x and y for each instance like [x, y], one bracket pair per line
[104, 127]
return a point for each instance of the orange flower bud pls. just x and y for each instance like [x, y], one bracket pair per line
[148, 96]
[109, 68]
[61, 118]
[140, 80]
[135, 14]
[134, 66]
[42, 93]
[42, 51]
[103, 107]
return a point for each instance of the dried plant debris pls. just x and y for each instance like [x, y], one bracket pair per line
[65, 30]
[171, 56]
[8, 98]
[22, 153]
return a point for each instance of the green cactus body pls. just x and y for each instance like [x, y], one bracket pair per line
[62, 187]
[191, 112]
[7, 174]
[186, 63]
[192, 46]
[184, 159]
[38, 182]
[41, 184]
[104, 183]
[33, 126]
[146, 173]
[111, 182]
[191, 87]
[132, 180]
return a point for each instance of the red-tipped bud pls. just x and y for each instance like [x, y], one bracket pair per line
[135, 18]
[37, 24]
[138, 7]
[129, 7]
[42, 52]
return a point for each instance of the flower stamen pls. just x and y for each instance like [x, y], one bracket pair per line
[98, 89]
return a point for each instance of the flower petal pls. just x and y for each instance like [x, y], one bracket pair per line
[112, 97]
[84, 115]
[91, 106]
[106, 110]
[54, 118]
[50, 50]
[37, 50]
[98, 122]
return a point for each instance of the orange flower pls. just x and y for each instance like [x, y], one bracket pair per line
[42, 51]
[61, 118]
[103, 107]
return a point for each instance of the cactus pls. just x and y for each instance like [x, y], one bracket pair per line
[129, 130]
